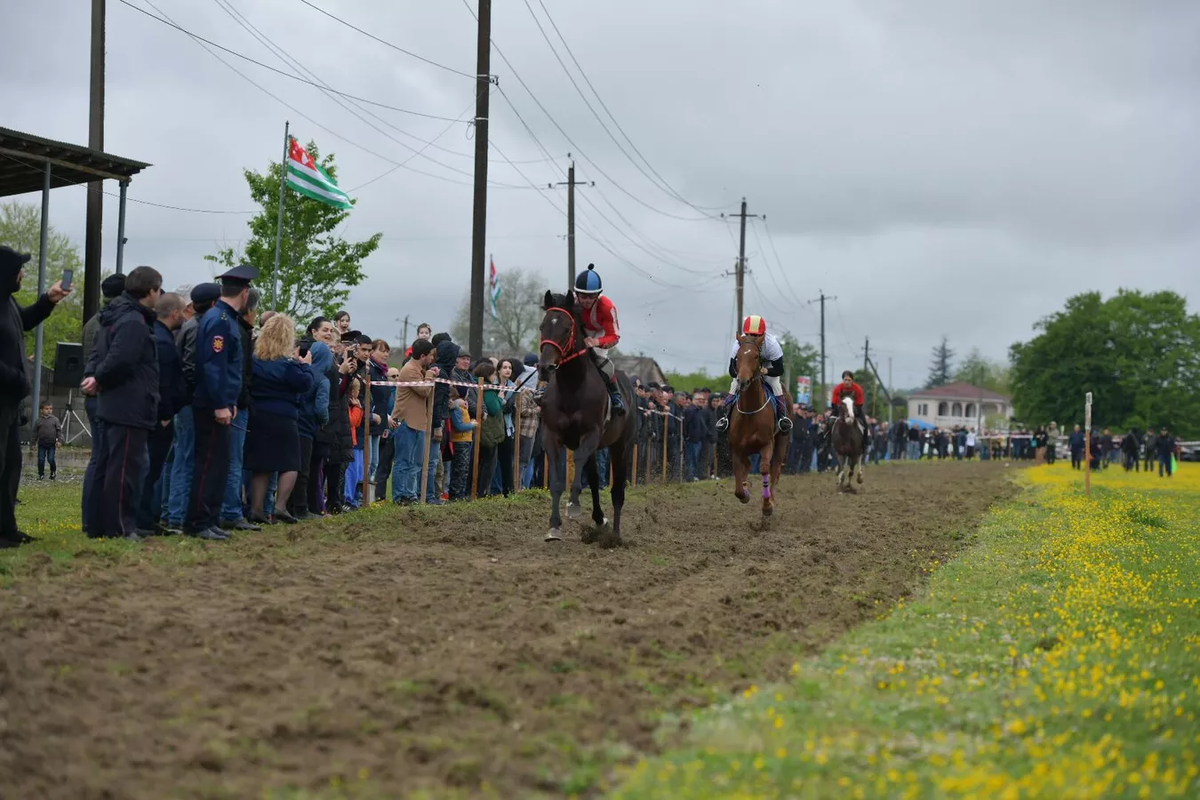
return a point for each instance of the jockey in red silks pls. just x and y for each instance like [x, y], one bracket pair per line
[601, 330]
[848, 388]
[772, 359]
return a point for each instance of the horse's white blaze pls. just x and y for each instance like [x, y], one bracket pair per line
[848, 402]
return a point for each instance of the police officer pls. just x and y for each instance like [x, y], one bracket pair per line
[220, 361]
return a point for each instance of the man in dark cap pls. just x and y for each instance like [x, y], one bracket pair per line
[14, 382]
[203, 296]
[111, 288]
[218, 372]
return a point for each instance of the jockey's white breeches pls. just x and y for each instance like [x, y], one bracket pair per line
[773, 381]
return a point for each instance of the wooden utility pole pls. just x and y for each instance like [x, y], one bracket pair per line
[570, 183]
[740, 269]
[94, 224]
[483, 65]
[822, 300]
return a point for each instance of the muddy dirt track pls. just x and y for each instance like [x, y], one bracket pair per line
[450, 649]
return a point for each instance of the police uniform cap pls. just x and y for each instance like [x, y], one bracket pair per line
[240, 275]
[205, 293]
[112, 286]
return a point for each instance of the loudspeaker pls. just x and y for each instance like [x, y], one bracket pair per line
[68, 365]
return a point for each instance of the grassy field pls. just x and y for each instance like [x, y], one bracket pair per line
[1058, 657]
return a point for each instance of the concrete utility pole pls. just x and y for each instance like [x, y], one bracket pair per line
[822, 300]
[94, 224]
[570, 183]
[740, 269]
[483, 66]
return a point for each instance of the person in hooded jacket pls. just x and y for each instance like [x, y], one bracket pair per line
[123, 372]
[110, 289]
[14, 382]
[168, 312]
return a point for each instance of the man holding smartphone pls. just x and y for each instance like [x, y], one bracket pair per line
[14, 382]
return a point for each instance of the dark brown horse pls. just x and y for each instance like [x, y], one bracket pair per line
[849, 444]
[752, 427]
[575, 415]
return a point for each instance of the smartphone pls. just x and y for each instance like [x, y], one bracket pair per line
[68, 276]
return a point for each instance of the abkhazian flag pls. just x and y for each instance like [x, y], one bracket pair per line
[309, 179]
[494, 283]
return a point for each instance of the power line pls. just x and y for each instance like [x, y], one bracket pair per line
[670, 189]
[779, 261]
[791, 298]
[587, 103]
[288, 75]
[290, 61]
[369, 35]
[295, 110]
[574, 145]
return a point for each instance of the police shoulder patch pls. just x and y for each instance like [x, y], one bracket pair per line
[218, 344]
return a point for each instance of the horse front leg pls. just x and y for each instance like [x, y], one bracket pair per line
[557, 478]
[861, 463]
[741, 469]
[764, 468]
[585, 460]
[618, 457]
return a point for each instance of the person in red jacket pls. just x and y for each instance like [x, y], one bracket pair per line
[848, 388]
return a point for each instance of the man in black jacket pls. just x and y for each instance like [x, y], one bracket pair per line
[14, 383]
[168, 313]
[123, 372]
[232, 509]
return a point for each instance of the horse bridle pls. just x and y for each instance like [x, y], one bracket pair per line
[737, 404]
[564, 357]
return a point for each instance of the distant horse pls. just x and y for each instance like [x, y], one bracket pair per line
[752, 427]
[575, 413]
[849, 444]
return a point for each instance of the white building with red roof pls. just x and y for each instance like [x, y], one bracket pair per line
[958, 404]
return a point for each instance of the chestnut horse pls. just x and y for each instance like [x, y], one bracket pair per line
[575, 415]
[752, 427]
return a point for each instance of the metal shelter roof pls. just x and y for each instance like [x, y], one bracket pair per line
[23, 155]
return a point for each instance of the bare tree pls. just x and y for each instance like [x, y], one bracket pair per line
[518, 314]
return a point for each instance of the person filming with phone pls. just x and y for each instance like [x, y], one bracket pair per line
[14, 382]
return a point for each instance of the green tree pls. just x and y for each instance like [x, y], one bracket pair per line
[799, 359]
[940, 370]
[1139, 355]
[317, 267]
[977, 370]
[514, 330]
[20, 229]
[691, 381]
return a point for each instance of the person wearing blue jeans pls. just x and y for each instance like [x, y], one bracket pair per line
[232, 517]
[181, 470]
[406, 464]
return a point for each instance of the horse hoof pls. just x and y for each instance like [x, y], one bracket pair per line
[859, 479]
[610, 540]
[744, 497]
[768, 512]
[574, 511]
[555, 535]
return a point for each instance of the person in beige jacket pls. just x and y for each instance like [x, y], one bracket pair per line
[409, 414]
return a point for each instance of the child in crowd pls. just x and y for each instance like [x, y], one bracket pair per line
[48, 432]
[462, 430]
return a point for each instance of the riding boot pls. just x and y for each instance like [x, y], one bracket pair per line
[614, 394]
[784, 423]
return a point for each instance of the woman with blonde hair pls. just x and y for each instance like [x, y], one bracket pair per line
[280, 379]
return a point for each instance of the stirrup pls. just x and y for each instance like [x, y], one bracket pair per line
[784, 424]
[722, 424]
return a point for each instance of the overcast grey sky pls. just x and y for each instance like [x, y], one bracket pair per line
[941, 166]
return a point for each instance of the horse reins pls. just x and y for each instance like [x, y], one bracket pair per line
[564, 357]
[737, 404]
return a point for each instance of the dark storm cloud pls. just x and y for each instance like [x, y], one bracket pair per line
[941, 167]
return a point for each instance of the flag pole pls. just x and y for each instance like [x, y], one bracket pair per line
[279, 223]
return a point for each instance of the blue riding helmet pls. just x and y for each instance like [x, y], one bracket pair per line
[589, 282]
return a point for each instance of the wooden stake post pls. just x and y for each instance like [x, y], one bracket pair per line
[478, 441]
[428, 447]
[664, 447]
[517, 442]
[1087, 445]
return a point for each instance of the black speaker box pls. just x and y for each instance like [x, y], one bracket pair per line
[68, 365]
